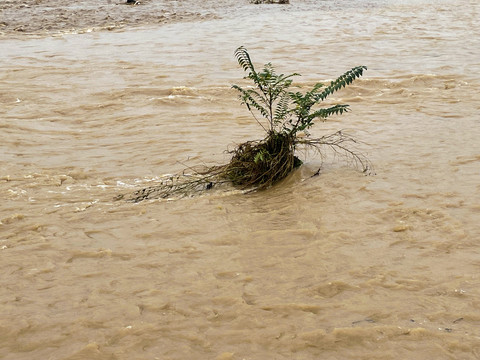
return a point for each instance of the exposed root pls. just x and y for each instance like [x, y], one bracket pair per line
[179, 185]
[341, 144]
[255, 165]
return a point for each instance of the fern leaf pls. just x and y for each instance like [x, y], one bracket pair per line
[282, 108]
[248, 98]
[341, 82]
[324, 113]
[284, 81]
[244, 60]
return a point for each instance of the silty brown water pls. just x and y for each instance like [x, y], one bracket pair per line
[340, 266]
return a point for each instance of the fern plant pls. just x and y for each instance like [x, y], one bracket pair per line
[286, 111]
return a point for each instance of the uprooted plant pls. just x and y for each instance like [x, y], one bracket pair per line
[286, 116]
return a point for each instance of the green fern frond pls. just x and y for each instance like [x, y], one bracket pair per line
[316, 87]
[248, 98]
[282, 108]
[341, 82]
[285, 111]
[283, 78]
[324, 113]
[244, 60]
[268, 72]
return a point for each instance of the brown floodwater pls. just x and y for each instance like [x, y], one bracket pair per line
[337, 266]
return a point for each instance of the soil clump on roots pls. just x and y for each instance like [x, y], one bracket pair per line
[262, 163]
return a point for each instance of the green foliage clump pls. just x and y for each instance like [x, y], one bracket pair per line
[286, 111]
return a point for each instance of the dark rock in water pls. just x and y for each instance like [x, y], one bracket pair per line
[270, 1]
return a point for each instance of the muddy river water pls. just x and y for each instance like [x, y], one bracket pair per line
[338, 266]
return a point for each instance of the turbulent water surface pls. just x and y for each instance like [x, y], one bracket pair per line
[338, 266]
